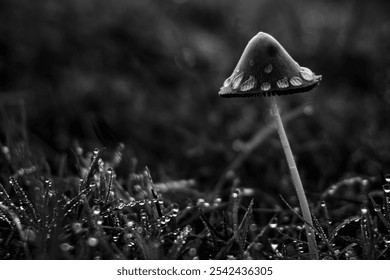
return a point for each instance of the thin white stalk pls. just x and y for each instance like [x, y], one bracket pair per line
[295, 178]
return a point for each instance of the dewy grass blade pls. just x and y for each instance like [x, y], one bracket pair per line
[245, 223]
[378, 211]
[25, 204]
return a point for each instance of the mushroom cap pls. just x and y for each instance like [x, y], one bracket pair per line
[265, 68]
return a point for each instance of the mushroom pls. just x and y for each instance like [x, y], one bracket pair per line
[266, 69]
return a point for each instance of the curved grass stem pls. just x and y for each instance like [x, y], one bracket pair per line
[295, 178]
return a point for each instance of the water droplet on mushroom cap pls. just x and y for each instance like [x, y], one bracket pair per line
[265, 67]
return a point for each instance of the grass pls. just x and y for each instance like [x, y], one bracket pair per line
[105, 216]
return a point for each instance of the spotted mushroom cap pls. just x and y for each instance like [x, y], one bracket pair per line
[266, 68]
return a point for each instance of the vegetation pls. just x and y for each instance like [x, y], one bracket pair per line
[102, 216]
[139, 80]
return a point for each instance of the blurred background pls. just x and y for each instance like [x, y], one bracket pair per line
[88, 73]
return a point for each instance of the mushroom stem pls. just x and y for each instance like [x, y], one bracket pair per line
[295, 178]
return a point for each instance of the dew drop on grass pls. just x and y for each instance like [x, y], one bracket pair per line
[79, 150]
[253, 227]
[175, 210]
[200, 201]
[387, 178]
[377, 208]
[332, 190]
[247, 191]
[77, 228]
[141, 203]
[187, 229]
[92, 242]
[281, 228]
[386, 239]
[192, 252]
[386, 187]
[235, 193]
[130, 224]
[364, 210]
[65, 247]
[96, 210]
[300, 248]
[274, 243]
[139, 230]
[273, 223]
[348, 254]
[217, 201]
[6, 152]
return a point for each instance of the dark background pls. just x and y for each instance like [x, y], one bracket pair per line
[147, 73]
